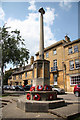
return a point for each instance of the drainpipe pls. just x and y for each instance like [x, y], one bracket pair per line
[63, 76]
[63, 68]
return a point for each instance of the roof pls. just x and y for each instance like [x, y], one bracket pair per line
[23, 69]
[59, 43]
[52, 46]
[70, 43]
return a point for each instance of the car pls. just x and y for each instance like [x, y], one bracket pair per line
[77, 90]
[27, 87]
[6, 87]
[19, 88]
[12, 87]
[58, 89]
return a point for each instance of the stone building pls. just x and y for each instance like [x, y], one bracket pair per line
[64, 57]
[22, 75]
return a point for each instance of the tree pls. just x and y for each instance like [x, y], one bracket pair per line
[6, 76]
[13, 48]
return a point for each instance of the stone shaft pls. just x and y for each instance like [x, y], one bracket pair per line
[41, 47]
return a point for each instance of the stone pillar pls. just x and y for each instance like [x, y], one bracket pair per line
[41, 47]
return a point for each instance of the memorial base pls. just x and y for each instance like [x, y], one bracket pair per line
[38, 106]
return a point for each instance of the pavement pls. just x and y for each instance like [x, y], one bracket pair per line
[11, 112]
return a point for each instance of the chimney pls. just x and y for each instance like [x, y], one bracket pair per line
[32, 60]
[67, 39]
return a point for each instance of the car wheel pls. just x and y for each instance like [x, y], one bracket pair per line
[56, 91]
[77, 94]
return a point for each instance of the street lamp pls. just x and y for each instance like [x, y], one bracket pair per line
[1, 81]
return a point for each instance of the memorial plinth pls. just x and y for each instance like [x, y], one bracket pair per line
[38, 106]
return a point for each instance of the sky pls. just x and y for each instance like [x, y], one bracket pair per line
[60, 19]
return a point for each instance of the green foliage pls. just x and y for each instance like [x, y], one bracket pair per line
[6, 76]
[13, 48]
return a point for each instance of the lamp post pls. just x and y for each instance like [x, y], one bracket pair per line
[0, 61]
[1, 72]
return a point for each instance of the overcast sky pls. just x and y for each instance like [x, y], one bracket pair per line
[60, 18]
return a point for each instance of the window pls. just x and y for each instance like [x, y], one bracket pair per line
[20, 76]
[71, 65]
[47, 55]
[55, 79]
[54, 52]
[77, 63]
[14, 77]
[70, 50]
[55, 64]
[76, 48]
[75, 80]
[25, 74]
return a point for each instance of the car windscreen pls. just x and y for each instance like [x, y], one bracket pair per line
[78, 85]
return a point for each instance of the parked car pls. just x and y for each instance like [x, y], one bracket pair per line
[27, 87]
[6, 87]
[77, 90]
[19, 88]
[58, 89]
[12, 87]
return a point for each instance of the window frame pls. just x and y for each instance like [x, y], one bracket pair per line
[55, 64]
[70, 51]
[20, 76]
[54, 52]
[75, 48]
[14, 77]
[25, 74]
[47, 54]
[71, 65]
[76, 79]
[55, 79]
[78, 63]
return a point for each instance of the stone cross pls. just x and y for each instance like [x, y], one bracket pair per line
[41, 45]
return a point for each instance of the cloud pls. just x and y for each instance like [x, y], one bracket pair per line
[65, 4]
[2, 14]
[30, 29]
[32, 5]
[49, 16]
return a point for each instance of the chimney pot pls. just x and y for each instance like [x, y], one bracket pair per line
[67, 39]
[32, 60]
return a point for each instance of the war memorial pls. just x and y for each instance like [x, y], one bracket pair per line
[40, 98]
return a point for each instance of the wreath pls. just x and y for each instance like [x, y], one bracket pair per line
[39, 87]
[28, 96]
[36, 97]
[50, 97]
[47, 88]
[32, 88]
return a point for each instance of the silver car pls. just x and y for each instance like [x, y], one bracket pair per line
[58, 89]
[12, 87]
